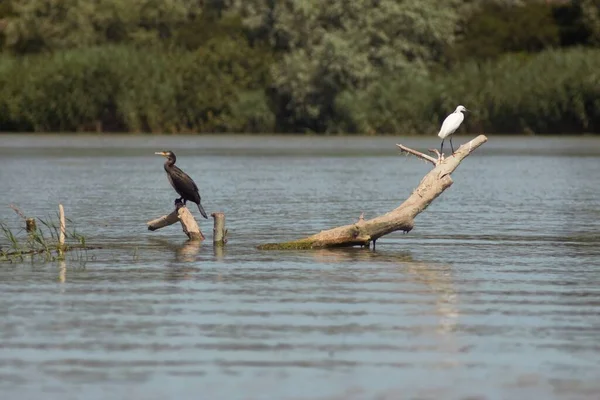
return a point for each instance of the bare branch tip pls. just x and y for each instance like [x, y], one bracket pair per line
[417, 154]
[18, 211]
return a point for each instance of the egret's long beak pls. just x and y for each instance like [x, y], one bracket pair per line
[161, 153]
[467, 110]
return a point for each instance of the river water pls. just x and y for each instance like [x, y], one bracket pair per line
[495, 294]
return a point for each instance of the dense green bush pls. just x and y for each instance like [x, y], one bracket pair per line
[553, 92]
[119, 88]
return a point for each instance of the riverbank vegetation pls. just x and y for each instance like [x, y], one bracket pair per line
[361, 66]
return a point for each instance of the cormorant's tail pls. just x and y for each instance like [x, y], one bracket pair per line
[202, 211]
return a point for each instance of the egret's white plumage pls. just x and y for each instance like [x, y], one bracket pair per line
[450, 125]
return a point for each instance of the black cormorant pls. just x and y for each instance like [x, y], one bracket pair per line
[181, 182]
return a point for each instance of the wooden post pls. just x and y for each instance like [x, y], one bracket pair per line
[63, 229]
[184, 216]
[219, 231]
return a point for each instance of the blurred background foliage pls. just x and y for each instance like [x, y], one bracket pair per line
[295, 66]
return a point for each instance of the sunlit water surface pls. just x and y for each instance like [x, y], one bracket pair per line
[495, 294]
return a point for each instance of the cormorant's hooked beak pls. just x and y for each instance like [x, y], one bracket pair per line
[161, 153]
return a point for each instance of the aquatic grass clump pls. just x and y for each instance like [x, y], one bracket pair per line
[39, 243]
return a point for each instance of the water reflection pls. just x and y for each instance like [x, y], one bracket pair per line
[62, 271]
[186, 252]
[183, 264]
[185, 255]
[439, 279]
[219, 252]
[365, 254]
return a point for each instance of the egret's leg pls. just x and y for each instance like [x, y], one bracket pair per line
[442, 147]
[451, 146]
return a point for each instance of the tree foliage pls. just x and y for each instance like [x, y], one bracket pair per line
[332, 46]
[295, 65]
[496, 29]
[590, 12]
[552, 92]
[36, 25]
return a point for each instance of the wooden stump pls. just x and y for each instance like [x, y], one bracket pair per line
[219, 231]
[184, 216]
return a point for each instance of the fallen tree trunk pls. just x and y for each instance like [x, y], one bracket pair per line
[365, 232]
[180, 214]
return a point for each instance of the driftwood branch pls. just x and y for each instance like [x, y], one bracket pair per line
[364, 232]
[180, 214]
[419, 154]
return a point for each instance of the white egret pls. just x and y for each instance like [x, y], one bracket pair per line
[450, 125]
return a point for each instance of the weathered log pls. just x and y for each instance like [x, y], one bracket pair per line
[219, 231]
[364, 232]
[184, 216]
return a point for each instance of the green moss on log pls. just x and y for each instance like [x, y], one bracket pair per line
[295, 245]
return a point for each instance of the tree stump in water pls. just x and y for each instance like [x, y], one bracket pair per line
[364, 232]
[219, 231]
[184, 216]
